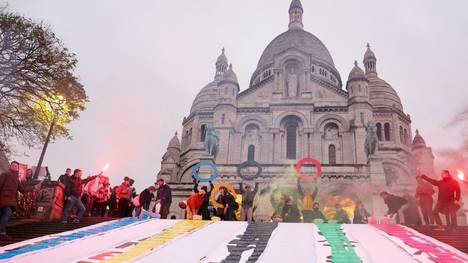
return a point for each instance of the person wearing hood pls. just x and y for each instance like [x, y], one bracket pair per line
[9, 187]
[448, 198]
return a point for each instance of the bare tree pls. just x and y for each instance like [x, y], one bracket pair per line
[37, 82]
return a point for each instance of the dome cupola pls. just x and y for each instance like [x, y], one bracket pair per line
[418, 141]
[295, 15]
[221, 65]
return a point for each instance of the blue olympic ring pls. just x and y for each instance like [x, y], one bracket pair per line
[196, 169]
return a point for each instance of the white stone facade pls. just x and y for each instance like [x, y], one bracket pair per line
[296, 107]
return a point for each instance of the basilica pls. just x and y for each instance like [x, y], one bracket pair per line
[297, 105]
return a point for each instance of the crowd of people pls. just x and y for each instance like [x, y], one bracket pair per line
[93, 196]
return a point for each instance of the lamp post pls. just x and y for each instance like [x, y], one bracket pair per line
[61, 101]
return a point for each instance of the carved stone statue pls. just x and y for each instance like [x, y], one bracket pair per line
[211, 141]
[292, 83]
[370, 145]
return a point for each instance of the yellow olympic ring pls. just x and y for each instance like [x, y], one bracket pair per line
[229, 187]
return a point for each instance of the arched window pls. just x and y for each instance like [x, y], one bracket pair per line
[332, 154]
[251, 153]
[379, 131]
[387, 131]
[291, 130]
[203, 132]
[331, 130]
[401, 136]
[406, 136]
[222, 118]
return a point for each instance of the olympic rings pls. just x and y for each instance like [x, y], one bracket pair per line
[196, 169]
[304, 178]
[229, 187]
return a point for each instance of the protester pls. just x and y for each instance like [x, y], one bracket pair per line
[396, 206]
[27, 201]
[113, 202]
[73, 191]
[316, 213]
[220, 210]
[447, 200]
[65, 176]
[146, 196]
[307, 201]
[123, 196]
[194, 203]
[204, 211]
[9, 187]
[412, 216]
[101, 200]
[341, 217]
[229, 203]
[290, 212]
[133, 194]
[163, 198]
[424, 192]
[248, 197]
[361, 216]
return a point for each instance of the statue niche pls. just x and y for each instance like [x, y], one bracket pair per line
[292, 80]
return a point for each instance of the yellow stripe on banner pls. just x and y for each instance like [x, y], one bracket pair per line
[179, 229]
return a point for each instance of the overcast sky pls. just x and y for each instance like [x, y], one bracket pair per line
[143, 62]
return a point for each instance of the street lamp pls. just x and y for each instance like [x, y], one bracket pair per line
[60, 102]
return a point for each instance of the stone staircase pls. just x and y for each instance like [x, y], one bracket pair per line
[456, 238]
[29, 230]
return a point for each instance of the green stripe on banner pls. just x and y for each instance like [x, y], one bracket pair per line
[341, 248]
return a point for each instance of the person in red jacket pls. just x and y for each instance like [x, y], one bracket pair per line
[194, 203]
[448, 199]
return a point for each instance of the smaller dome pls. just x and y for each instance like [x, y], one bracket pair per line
[222, 58]
[356, 73]
[206, 98]
[369, 53]
[382, 94]
[174, 143]
[418, 141]
[296, 4]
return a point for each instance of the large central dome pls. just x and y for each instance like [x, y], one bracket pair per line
[299, 39]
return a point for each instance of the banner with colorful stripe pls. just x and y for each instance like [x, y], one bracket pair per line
[132, 240]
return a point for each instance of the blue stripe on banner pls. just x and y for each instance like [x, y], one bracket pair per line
[49, 243]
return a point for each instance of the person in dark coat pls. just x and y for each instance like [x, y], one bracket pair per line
[113, 208]
[396, 206]
[65, 176]
[447, 200]
[290, 212]
[164, 198]
[73, 191]
[229, 203]
[9, 187]
[361, 215]
[316, 213]
[341, 217]
[204, 211]
[144, 200]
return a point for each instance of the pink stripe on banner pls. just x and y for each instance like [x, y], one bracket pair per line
[413, 239]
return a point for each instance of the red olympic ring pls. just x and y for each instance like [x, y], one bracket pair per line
[304, 178]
